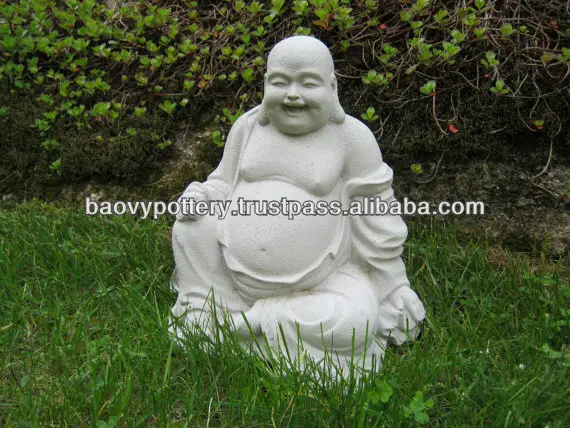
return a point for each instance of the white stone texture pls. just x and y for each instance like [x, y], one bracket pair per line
[339, 281]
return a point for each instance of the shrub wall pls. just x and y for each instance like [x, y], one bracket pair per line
[100, 89]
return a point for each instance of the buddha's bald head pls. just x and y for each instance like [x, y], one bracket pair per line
[298, 51]
[300, 87]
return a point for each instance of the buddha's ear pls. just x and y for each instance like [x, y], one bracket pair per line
[334, 83]
[338, 115]
[262, 118]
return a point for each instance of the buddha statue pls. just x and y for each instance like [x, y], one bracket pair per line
[320, 284]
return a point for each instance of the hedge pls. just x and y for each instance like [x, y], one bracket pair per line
[97, 89]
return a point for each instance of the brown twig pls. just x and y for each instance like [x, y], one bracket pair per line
[434, 174]
[547, 162]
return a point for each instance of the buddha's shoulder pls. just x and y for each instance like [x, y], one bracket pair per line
[249, 116]
[355, 131]
[254, 112]
[246, 120]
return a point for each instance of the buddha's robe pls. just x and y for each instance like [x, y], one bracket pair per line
[326, 278]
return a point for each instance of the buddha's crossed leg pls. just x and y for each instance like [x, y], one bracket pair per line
[201, 276]
[340, 314]
[337, 318]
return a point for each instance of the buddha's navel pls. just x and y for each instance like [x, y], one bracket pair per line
[278, 243]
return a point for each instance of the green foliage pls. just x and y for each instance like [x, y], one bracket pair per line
[217, 138]
[101, 109]
[248, 75]
[55, 165]
[440, 16]
[538, 123]
[506, 30]
[499, 88]
[164, 144]
[231, 117]
[49, 144]
[550, 353]
[78, 57]
[370, 115]
[140, 111]
[406, 15]
[377, 79]
[448, 52]
[382, 393]
[490, 60]
[480, 32]
[457, 36]
[480, 4]
[428, 88]
[418, 407]
[168, 107]
[416, 169]
[389, 52]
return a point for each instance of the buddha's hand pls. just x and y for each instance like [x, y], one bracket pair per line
[400, 316]
[186, 203]
[253, 325]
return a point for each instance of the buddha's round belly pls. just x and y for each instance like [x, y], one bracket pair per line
[276, 245]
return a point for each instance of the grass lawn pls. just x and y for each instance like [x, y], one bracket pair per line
[84, 304]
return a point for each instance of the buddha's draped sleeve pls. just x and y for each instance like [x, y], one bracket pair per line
[220, 182]
[377, 240]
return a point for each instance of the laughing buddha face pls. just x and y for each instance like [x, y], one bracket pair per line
[300, 86]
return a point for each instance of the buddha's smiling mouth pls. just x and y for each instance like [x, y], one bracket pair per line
[294, 110]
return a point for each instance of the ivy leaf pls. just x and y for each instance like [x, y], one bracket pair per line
[440, 16]
[416, 169]
[428, 88]
[507, 30]
[479, 4]
[100, 109]
[458, 36]
[406, 15]
[248, 75]
[55, 165]
[167, 107]
[217, 138]
[480, 32]
[49, 144]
